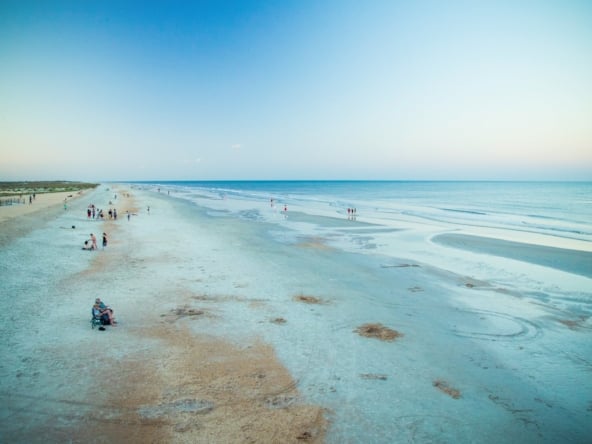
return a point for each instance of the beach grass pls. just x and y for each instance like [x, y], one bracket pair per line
[41, 187]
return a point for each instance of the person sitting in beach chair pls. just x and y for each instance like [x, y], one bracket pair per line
[105, 307]
[103, 316]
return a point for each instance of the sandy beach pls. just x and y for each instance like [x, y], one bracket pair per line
[18, 219]
[164, 373]
[42, 201]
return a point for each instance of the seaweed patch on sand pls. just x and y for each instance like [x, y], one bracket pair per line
[574, 324]
[445, 388]
[470, 282]
[182, 312]
[308, 299]
[378, 331]
[375, 376]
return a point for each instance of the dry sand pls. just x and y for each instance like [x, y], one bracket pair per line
[41, 202]
[154, 380]
[17, 220]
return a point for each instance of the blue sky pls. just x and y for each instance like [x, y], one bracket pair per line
[116, 90]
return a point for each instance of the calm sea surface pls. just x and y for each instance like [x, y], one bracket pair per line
[554, 208]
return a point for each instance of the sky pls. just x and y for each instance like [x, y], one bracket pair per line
[295, 89]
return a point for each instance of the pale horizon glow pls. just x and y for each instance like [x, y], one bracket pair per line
[262, 90]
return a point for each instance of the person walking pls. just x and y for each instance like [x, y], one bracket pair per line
[104, 240]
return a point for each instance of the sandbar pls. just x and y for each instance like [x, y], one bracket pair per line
[573, 261]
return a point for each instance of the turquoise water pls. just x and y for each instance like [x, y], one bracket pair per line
[555, 208]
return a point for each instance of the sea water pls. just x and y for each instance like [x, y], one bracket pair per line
[489, 284]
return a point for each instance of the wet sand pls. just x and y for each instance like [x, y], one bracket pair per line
[572, 261]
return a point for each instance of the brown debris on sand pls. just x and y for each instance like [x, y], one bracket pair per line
[278, 321]
[185, 311]
[308, 299]
[182, 312]
[204, 297]
[373, 376]
[445, 388]
[574, 324]
[378, 331]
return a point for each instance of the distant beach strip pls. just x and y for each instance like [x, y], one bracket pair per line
[571, 261]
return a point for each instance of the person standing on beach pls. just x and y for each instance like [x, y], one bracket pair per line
[93, 238]
[104, 240]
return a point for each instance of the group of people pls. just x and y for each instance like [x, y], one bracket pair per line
[91, 244]
[103, 312]
[92, 212]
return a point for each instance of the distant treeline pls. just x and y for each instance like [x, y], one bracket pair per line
[40, 187]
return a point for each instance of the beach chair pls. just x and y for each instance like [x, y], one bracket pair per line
[97, 321]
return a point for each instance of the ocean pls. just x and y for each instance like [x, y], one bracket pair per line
[553, 208]
[486, 286]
